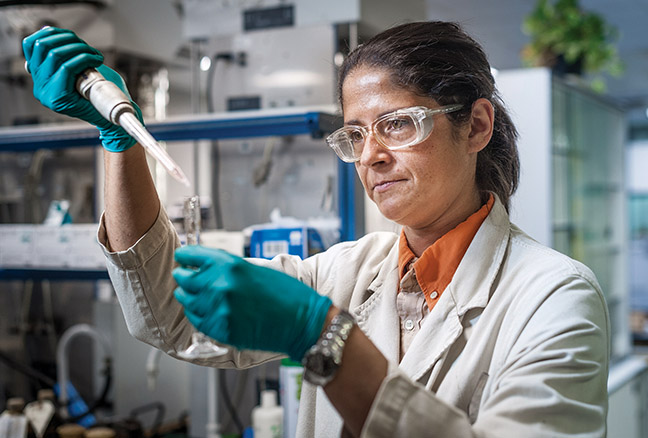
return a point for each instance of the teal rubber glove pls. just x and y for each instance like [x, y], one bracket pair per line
[248, 306]
[55, 57]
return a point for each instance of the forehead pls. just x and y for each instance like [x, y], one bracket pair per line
[370, 92]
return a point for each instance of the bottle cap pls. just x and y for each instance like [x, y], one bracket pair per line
[268, 398]
[100, 432]
[70, 431]
[15, 404]
[45, 394]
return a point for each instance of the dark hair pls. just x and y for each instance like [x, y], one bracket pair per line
[439, 60]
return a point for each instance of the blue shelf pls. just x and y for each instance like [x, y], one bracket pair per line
[248, 124]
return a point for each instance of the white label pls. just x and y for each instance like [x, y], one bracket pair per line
[273, 247]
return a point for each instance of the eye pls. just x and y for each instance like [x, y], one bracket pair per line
[356, 136]
[397, 124]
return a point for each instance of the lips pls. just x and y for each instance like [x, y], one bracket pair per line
[385, 185]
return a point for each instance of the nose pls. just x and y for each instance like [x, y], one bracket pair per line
[373, 152]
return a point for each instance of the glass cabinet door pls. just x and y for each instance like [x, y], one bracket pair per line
[588, 202]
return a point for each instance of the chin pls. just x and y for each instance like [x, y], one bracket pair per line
[391, 212]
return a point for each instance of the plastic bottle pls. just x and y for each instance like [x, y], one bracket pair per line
[267, 418]
[13, 423]
[290, 382]
[42, 415]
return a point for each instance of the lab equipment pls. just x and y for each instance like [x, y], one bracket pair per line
[115, 106]
[201, 346]
[70, 403]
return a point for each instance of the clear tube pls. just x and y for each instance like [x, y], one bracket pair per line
[131, 124]
[201, 346]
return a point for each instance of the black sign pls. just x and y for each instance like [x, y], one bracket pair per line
[243, 103]
[280, 16]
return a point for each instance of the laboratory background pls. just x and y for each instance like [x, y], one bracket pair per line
[241, 94]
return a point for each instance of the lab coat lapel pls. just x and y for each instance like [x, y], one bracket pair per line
[469, 289]
[377, 316]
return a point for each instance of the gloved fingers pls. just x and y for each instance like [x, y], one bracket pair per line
[197, 256]
[69, 60]
[189, 301]
[213, 308]
[198, 281]
[216, 324]
[28, 42]
[47, 51]
[185, 277]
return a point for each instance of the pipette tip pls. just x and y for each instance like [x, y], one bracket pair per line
[181, 177]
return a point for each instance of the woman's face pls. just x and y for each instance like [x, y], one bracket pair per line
[429, 186]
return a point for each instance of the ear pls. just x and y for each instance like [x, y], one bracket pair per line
[481, 124]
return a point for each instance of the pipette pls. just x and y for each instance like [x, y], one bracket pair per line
[115, 106]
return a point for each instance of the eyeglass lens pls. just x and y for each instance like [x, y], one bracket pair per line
[392, 131]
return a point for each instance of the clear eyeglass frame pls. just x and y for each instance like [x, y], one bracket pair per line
[201, 345]
[348, 141]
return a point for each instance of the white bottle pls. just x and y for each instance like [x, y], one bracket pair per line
[267, 418]
[290, 383]
[13, 423]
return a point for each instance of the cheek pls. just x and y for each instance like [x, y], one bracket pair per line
[362, 174]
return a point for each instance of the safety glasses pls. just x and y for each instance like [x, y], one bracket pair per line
[396, 130]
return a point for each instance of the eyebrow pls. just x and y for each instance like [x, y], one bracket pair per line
[356, 122]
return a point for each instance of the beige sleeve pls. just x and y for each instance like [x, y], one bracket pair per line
[142, 279]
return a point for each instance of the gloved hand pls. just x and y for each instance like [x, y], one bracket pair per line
[248, 306]
[55, 57]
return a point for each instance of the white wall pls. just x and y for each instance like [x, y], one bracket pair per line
[636, 161]
[527, 94]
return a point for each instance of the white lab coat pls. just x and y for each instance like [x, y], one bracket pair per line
[517, 345]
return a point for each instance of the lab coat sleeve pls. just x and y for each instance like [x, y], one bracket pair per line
[551, 382]
[141, 277]
[405, 408]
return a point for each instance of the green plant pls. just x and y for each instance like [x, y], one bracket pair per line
[563, 29]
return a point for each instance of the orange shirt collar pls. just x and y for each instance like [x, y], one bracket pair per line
[438, 263]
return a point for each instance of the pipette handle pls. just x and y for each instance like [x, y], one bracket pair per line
[112, 103]
[105, 96]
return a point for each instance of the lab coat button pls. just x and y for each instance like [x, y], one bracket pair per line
[409, 324]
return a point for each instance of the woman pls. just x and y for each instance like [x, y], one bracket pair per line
[462, 325]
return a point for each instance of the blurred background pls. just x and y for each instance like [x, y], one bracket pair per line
[241, 93]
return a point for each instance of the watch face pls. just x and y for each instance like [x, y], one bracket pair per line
[321, 363]
[320, 367]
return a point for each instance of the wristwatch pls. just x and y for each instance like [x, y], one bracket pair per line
[323, 359]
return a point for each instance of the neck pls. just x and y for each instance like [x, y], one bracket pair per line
[421, 237]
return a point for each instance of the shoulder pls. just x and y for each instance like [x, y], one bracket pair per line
[540, 259]
[380, 242]
[368, 252]
[543, 285]
[342, 259]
